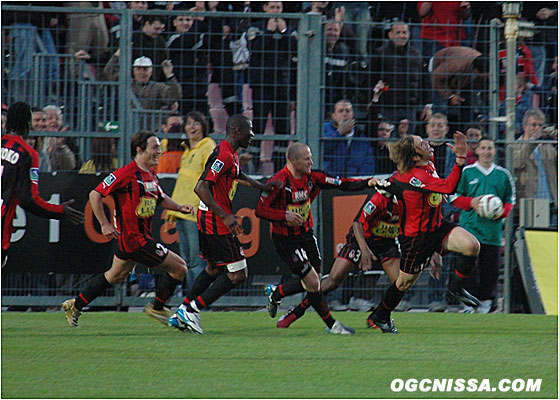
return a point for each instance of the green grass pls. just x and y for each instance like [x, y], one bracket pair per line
[243, 355]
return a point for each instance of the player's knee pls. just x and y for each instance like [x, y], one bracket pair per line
[472, 247]
[180, 270]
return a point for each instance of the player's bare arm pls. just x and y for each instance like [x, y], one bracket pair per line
[202, 190]
[71, 214]
[108, 229]
[275, 184]
[367, 256]
[169, 204]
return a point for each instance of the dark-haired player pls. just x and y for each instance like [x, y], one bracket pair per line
[136, 193]
[20, 177]
[217, 226]
[289, 210]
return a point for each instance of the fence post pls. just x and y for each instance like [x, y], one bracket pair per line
[494, 78]
[310, 95]
[125, 87]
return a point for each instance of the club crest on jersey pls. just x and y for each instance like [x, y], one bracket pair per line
[333, 181]
[300, 195]
[109, 180]
[34, 174]
[217, 166]
[415, 182]
[369, 208]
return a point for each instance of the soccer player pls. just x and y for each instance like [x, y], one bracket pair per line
[20, 177]
[136, 192]
[217, 226]
[484, 177]
[370, 241]
[419, 192]
[289, 210]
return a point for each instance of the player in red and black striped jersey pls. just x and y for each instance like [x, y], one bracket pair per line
[136, 193]
[20, 177]
[370, 241]
[419, 192]
[217, 226]
[289, 209]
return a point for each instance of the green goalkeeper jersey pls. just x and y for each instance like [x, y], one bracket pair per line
[477, 181]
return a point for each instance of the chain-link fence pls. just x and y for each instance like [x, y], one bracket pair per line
[96, 76]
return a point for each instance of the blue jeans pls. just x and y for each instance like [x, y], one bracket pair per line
[189, 248]
[538, 54]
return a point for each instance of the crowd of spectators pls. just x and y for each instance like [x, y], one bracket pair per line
[392, 64]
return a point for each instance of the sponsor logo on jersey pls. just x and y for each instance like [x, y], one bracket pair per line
[34, 174]
[217, 166]
[333, 181]
[9, 155]
[369, 208]
[300, 195]
[416, 182]
[146, 207]
[435, 199]
[109, 180]
[474, 181]
[150, 186]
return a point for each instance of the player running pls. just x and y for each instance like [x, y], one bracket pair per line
[136, 193]
[218, 228]
[370, 241]
[289, 210]
[419, 192]
[20, 177]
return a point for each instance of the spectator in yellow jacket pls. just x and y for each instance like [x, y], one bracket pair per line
[199, 146]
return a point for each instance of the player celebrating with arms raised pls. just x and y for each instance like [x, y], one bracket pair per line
[420, 191]
[136, 192]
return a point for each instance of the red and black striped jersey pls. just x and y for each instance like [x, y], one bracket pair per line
[420, 197]
[297, 196]
[20, 185]
[136, 193]
[222, 170]
[379, 216]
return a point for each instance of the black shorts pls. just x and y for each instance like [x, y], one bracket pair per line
[417, 250]
[220, 249]
[299, 252]
[152, 254]
[383, 249]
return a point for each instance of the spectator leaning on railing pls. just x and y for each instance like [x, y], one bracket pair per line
[152, 95]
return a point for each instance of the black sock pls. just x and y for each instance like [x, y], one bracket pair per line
[221, 286]
[301, 308]
[318, 303]
[165, 289]
[464, 266]
[292, 286]
[202, 282]
[96, 287]
[391, 299]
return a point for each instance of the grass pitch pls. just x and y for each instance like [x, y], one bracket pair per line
[243, 355]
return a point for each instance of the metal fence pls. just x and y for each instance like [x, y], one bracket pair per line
[287, 80]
